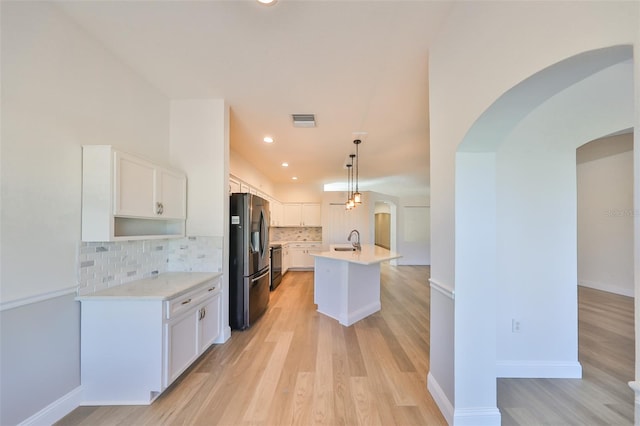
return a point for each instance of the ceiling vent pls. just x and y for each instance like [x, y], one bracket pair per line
[304, 120]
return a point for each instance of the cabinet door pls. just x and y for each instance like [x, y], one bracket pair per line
[134, 187]
[276, 212]
[292, 214]
[285, 259]
[182, 344]
[297, 257]
[171, 195]
[309, 260]
[209, 324]
[311, 215]
[234, 186]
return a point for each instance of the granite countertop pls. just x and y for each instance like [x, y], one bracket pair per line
[369, 255]
[161, 287]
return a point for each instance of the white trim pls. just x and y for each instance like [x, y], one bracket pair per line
[224, 336]
[443, 289]
[636, 402]
[609, 288]
[483, 416]
[56, 410]
[37, 298]
[440, 398]
[539, 369]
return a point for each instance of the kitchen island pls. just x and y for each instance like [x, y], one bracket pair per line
[347, 283]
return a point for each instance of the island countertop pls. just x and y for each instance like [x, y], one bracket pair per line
[161, 287]
[369, 255]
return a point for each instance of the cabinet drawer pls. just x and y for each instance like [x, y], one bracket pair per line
[191, 299]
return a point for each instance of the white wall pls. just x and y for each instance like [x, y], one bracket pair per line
[605, 214]
[199, 132]
[240, 168]
[471, 65]
[60, 89]
[298, 192]
[199, 139]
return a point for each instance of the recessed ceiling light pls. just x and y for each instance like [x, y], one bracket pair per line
[267, 2]
[285, 164]
[268, 139]
[295, 178]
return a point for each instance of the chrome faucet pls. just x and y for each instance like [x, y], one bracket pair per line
[355, 245]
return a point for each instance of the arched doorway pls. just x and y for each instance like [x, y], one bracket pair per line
[515, 221]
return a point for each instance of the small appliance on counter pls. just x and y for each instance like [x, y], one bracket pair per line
[249, 273]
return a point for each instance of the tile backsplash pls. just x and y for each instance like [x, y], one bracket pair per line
[296, 234]
[108, 264]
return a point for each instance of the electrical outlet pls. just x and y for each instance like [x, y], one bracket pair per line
[515, 326]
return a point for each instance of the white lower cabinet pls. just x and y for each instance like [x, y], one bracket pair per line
[182, 345]
[133, 348]
[299, 255]
[209, 322]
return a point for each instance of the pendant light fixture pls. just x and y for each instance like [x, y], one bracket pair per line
[350, 203]
[357, 197]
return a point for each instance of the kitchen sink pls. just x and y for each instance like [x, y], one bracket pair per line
[344, 249]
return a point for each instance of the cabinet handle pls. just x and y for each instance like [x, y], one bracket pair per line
[159, 208]
[204, 313]
[211, 289]
[186, 301]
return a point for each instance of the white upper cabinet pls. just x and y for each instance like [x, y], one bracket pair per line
[143, 189]
[276, 212]
[311, 215]
[291, 214]
[125, 197]
[234, 185]
[171, 194]
[301, 214]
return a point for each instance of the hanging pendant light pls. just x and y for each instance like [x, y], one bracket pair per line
[350, 202]
[347, 204]
[357, 196]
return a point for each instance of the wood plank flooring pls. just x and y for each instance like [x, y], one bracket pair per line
[298, 367]
[607, 354]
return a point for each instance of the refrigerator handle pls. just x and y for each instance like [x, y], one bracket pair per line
[260, 277]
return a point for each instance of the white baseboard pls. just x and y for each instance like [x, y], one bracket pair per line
[483, 416]
[538, 369]
[610, 288]
[224, 336]
[440, 398]
[365, 311]
[56, 410]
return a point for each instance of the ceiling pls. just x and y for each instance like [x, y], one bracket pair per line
[359, 66]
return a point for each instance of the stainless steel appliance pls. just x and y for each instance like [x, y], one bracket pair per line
[276, 265]
[249, 277]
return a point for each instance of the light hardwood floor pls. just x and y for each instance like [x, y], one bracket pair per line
[607, 354]
[295, 366]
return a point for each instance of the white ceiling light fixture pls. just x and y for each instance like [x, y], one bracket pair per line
[295, 178]
[268, 139]
[268, 2]
[285, 164]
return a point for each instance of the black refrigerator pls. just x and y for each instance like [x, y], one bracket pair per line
[249, 277]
